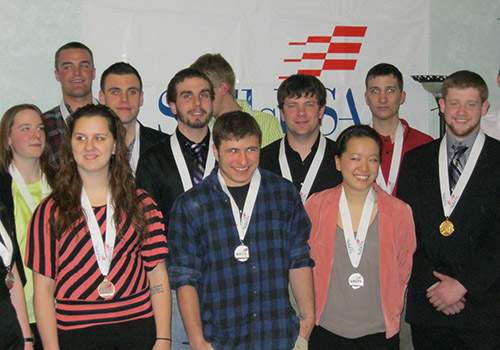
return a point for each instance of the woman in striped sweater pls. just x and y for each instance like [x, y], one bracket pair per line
[98, 247]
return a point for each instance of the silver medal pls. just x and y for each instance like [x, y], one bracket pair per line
[242, 253]
[356, 281]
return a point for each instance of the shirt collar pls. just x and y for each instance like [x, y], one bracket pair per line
[183, 140]
[314, 147]
[468, 141]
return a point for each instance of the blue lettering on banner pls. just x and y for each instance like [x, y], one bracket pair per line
[249, 96]
[164, 109]
[329, 112]
[352, 107]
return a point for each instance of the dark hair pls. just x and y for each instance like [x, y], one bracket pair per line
[357, 131]
[234, 126]
[67, 191]
[182, 75]
[464, 79]
[299, 85]
[384, 69]
[217, 69]
[6, 155]
[74, 45]
[119, 68]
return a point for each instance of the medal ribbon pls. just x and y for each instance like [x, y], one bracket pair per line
[355, 245]
[448, 200]
[103, 251]
[18, 179]
[6, 248]
[395, 162]
[181, 162]
[134, 159]
[311, 173]
[242, 222]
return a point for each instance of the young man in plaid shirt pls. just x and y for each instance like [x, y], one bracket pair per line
[236, 241]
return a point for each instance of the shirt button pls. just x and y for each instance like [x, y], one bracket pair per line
[254, 292]
[254, 315]
[253, 266]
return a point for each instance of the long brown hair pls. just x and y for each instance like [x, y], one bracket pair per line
[6, 155]
[67, 191]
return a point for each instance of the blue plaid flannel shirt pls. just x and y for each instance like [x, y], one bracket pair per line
[243, 305]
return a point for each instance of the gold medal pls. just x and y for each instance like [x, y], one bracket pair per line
[446, 228]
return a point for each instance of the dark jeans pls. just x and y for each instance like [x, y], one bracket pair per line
[321, 339]
[137, 335]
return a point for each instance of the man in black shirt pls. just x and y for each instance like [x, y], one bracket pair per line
[303, 156]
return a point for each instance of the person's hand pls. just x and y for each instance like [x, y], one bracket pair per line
[301, 344]
[449, 291]
[454, 308]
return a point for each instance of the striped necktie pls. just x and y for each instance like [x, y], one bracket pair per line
[456, 165]
[199, 164]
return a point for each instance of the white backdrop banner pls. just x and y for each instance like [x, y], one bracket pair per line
[266, 41]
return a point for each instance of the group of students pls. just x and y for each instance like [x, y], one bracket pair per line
[94, 244]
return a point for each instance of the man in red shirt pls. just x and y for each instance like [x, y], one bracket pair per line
[384, 94]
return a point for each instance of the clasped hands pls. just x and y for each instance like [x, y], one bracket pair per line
[447, 295]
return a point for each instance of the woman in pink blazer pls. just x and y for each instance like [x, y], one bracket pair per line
[362, 241]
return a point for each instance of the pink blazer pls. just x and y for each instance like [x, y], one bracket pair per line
[397, 245]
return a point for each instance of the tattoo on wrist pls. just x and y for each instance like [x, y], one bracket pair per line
[157, 289]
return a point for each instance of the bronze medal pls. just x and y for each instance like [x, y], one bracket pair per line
[106, 289]
[446, 228]
[9, 279]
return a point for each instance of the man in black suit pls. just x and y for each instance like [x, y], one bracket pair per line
[453, 187]
[176, 164]
[121, 90]
[173, 166]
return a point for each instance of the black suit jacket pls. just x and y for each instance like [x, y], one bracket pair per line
[157, 173]
[471, 254]
[149, 138]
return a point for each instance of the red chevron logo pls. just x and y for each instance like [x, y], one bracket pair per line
[338, 44]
